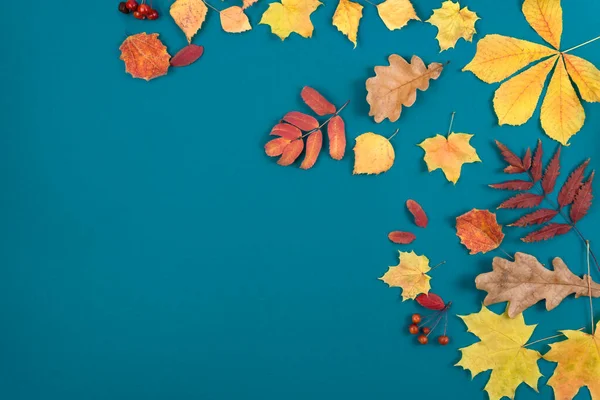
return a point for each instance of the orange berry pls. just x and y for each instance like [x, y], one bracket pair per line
[443, 340]
[416, 318]
[413, 329]
[425, 330]
[423, 339]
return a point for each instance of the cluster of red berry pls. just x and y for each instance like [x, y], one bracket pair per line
[423, 338]
[140, 11]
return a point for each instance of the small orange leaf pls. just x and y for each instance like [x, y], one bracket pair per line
[145, 56]
[313, 148]
[291, 153]
[336, 132]
[479, 231]
[286, 130]
[276, 146]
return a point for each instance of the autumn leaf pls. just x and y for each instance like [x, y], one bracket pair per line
[396, 85]
[401, 237]
[291, 153]
[552, 171]
[347, 18]
[431, 301]
[525, 281]
[336, 132]
[567, 192]
[547, 232]
[315, 100]
[453, 23]
[301, 120]
[313, 148]
[373, 154]
[511, 158]
[395, 14]
[186, 56]
[410, 275]
[449, 154]
[145, 56]
[536, 164]
[515, 184]
[290, 16]
[189, 15]
[479, 231]
[578, 360]
[502, 349]
[583, 200]
[234, 20]
[418, 213]
[540, 216]
[523, 200]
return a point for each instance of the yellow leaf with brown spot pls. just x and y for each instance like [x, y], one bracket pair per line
[545, 17]
[145, 56]
[189, 15]
[373, 154]
[449, 154]
[395, 14]
[290, 16]
[479, 231]
[453, 23]
[347, 18]
[585, 75]
[234, 20]
[409, 274]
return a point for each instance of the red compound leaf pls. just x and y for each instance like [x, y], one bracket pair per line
[301, 120]
[552, 171]
[511, 158]
[523, 200]
[286, 131]
[567, 193]
[313, 148]
[537, 217]
[583, 200]
[536, 164]
[513, 185]
[547, 232]
[527, 159]
[291, 153]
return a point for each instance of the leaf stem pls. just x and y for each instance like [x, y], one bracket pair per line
[506, 253]
[393, 134]
[371, 3]
[589, 279]
[442, 263]
[546, 338]
[214, 8]
[326, 122]
[580, 45]
[451, 122]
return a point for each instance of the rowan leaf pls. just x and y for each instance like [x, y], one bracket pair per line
[545, 17]
[525, 281]
[373, 154]
[303, 121]
[336, 132]
[547, 232]
[449, 154]
[315, 100]
[286, 130]
[567, 193]
[418, 213]
[313, 148]
[234, 20]
[395, 14]
[186, 56]
[511, 158]
[189, 15]
[513, 185]
[401, 237]
[145, 56]
[410, 274]
[431, 301]
[479, 231]
[396, 85]
[291, 152]
[453, 23]
[527, 159]
[502, 349]
[552, 172]
[347, 18]
[523, 200]
[536, 164]
[583, 200]
[290, 16]
[510, 169]
[537, 217]
[275, 147]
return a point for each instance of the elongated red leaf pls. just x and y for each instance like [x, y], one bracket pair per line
[536, 164]
[276, 146]
[572, 185]
[301, 120]
[513, 170]
[547, 232]
[336, 131]
[583, 200]
[313, 148]
[552, 171]
[527, 159]
[286, 130]
[291, 152]
[401, 237]
[315, 100]
[537, 217]
[188, 55]
[513, 185]
[418, 213]
[523, 200]
[510, 157]
[431, 301]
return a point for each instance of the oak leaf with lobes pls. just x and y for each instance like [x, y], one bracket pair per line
[453, 23]
[290, 16]
[449, 154]
[145, 56]
[479, 231]
[409, 274]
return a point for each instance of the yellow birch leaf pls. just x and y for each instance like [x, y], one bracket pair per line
[189, 15]
[562, 112]
[498, 57]
[409, 274]
[516, 99]
[395, 14]
[585, 75]
[449, 154]
[290, 16]
[453, 24]
[578, 360]
[501, 349]
[347, 17]
[234, 20]
[545, 17]
[373, 154]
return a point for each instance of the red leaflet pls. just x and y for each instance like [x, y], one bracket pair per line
[291, 153]
[513, 170]
[313, 148]
[316, 101]
[535, 218]
[417, 211]
[536, 164]
[431, 301]
[286, 130]
[552, 171]
[186, 56]
[568, 190]
[513, 185]
[275, 147]
[527, 159]
[523, 200]
[401, 237]
[336, 132]
[510, 157]
[301, 120]
[547, 232]
[583, 200]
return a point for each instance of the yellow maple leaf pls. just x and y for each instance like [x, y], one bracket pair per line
[189, 15]
[290, 16]
[578, 360]
[347, 18]
[373, 154]
[499, 57]
[501, 349]
[234, 20]
[395, 14]
[449, 154]
[409, 274]
[453, 24]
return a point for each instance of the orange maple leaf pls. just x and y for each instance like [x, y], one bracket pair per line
[479, 231]
[145, 56]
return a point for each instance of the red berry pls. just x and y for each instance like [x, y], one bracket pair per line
[123, 8]
[139, 15]
[422, 339]
[416, 318]
[443, 340]
[152, 14]
[132, 5]
[144, 9]
[426, 330]
[413, 329]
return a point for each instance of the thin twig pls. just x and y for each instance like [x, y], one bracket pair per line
[547, 338]
[442, 263]
[326, 122]
[589, 279]
[507, 254]
[451, 122]
[214, 8]
[393, 134]
[582, 44]
[435, 325]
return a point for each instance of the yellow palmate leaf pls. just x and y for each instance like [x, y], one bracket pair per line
[516, 99]
[290, 16]
[449, 154]
[545, 17]
[234, 20]
[373, 154]
[585, 75]
[562, 112]
[498, 57]
[189, 15]
[578, 360]
[395, 14]
[453, 24]
[410, 275]
[347, 17]
[502, 350]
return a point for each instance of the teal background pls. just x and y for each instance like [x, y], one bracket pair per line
[150, 250]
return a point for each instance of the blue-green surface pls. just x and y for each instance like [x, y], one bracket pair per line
[150, 250]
